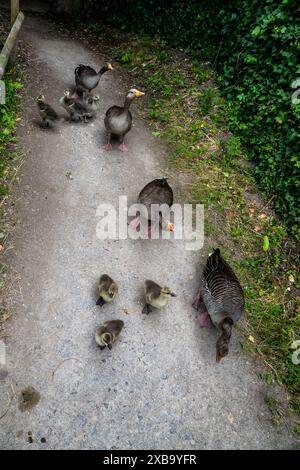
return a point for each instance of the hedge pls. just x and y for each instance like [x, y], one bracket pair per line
[253, 44]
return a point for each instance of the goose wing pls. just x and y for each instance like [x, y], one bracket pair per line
[222, 292]
[46, 108]
[83, 71]
[157, 191]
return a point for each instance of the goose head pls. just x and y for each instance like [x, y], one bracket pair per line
[134, 93]
[40, 98]
[106, 338]
[166, 292]
[110, 293]
[222, 346]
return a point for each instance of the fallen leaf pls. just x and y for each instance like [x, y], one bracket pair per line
[230, 418]
[250, 338]
[1, 247]
[291, 278]
[125, 311]
[262, 216]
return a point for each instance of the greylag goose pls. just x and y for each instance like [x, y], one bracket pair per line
[156, 192]
[118, 120]
[220, 300]
[86, 78]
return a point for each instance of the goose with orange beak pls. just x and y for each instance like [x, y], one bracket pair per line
[220, 300]
[118, 120]
[86, 78]
[158, 193]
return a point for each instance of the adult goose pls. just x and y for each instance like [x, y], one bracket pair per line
[220, 300]
[157, 192]
[86, 78]
[118, 120]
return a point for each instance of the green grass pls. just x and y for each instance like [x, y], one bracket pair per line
[184, 106]
[9, 162]
[8, 116]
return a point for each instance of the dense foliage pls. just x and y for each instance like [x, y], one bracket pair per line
[253, 44]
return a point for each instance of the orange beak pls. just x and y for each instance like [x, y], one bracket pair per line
[218, 358]
[139, 93]
[110, 67]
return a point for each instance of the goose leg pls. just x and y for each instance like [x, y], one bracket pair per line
[122, 145]
[135, 223]
[100, 302]
[147, 309]
[108, 146]
[204, 320]
[197, 299]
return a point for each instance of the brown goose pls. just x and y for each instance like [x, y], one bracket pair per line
[220, 300]
[46, 112]
[157, 192]
[86, 78]
[118, 120]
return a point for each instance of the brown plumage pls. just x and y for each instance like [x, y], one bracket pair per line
[157, 192]
[86, 78]
[46, 112]
[220, 299]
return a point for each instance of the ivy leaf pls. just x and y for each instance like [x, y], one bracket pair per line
[266, 244]
[256, 31]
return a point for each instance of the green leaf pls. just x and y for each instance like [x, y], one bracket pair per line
[266, 244]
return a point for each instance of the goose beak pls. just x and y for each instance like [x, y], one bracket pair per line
[170, 227]
[218, 358]
[139, 93]
[110, 67]
[173, 295]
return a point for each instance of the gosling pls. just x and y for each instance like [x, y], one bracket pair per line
[107, 289]
[46, 112]
[108, 332]
[77, 108]
[156, 296]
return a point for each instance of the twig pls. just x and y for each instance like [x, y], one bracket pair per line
[9, 404]
[68, 359]
[266, 205]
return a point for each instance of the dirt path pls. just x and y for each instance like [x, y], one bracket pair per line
[159, 387]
